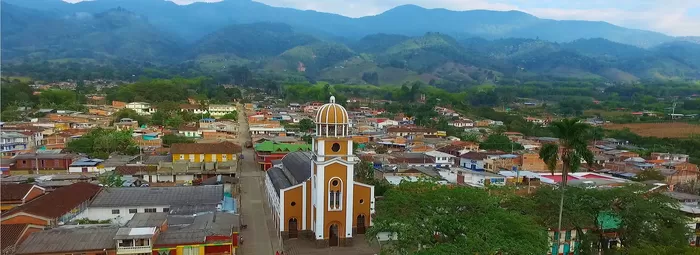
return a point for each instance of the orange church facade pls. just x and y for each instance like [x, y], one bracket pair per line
[314, 194]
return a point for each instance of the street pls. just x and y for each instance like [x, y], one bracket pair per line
[259, 237]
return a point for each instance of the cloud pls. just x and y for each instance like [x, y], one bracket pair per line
[674, 17]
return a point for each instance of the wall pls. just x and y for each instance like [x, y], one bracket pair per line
[207, 157]
[101, 213]
[365, 194]
[294, 195]
[30, 164]
[330, 217]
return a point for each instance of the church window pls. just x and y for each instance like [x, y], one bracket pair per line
[335, 147]
[335, 192]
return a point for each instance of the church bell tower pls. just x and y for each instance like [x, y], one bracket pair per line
[332, 177]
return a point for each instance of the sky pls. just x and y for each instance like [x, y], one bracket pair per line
[672, 17]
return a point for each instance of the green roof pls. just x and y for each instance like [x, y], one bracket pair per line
[608, 221]
[270, 146]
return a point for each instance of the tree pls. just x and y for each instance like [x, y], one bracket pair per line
[364, 171]
[643, 220]
[429, 218]
[500, 142]
[306, 125]
[111, 179]
[170, 139]
[573, 139]
[174, 121]
[381, 150]
[230, 116]
[100, 143]
[650, 175]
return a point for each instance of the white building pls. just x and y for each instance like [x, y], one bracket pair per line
[120, 204]
[265, 130]
[441, 158]
[218, 110]
[141, 108]
[86, 165]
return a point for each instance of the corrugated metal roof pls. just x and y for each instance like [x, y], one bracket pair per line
[181, 195]
[69, 240]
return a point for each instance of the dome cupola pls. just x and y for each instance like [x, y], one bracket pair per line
[332, 120]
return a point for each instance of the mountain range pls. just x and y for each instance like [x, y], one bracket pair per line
[404, 43]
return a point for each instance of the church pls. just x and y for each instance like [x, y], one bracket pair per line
[313, 194]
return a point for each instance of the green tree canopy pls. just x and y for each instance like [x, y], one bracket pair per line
[170, 139]
[434, 219]
[306, 125]
[100, 143]
[500, 142]
[650, 175]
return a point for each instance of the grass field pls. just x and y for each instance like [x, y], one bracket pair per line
[667, 130]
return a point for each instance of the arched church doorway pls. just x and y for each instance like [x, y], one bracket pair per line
[333, 238]
[361, 224]
[293, 230]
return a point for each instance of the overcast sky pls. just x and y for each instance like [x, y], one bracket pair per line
[673, 17]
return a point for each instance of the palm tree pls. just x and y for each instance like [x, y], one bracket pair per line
[571, 149]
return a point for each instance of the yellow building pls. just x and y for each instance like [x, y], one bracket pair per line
[314, 194]
[205, 152]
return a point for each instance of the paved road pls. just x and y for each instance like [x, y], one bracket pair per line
[259, 238]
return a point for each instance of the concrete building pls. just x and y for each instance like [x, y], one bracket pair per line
[120, 204]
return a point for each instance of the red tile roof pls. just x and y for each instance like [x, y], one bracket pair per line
[58, 202]
[130, 170]
[10, 234]
[14, 192]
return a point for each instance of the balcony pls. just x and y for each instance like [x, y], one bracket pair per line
[134, 249]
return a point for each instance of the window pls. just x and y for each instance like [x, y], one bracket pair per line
[362, 201]
[191, 157]
[115, 211]
[133, 210]
[182, 157]
[335, 187]
[201, 157]
[335, 147]
[166, 209]
[293, 203]
[150, 210]
[224, 157]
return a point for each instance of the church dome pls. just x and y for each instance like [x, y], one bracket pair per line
[332, 113]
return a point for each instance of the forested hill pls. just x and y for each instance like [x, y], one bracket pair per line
[387, 48]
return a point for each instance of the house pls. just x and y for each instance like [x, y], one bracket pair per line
[218, 110]
[205, 152]
[12, 143]
[410, 131]
[126, 124]
[473, 160]
[120, 204]
[267, 151]
[141, 108]
[441, 158]
[514, 136]
[461, 123]
[494, 163]
[533, 162]
[190, 131]
[14, 234]
[314, 194]
[202, 233]
[56, 141]
[463, 176]
[86, 165]
[669, 156]
[405, 160]
[458, 148]
[194, 108]
[42, 163]
[55, 208]
[13, 195]
[78, 240]
[689, 204]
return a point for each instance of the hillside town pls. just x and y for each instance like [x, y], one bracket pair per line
[269, 176]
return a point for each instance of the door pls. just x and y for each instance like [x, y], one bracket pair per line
[293, 230]
[361, 224]
[333, 235]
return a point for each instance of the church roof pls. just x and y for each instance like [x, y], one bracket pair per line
[296, 168]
